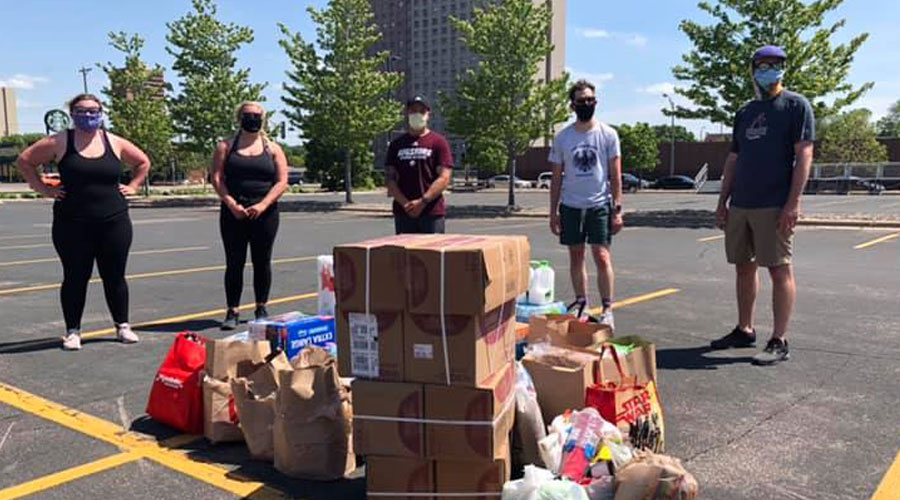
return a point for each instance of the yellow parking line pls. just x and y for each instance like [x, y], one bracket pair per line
[637, 299]
[26, 247]
[711, 238]
[137, 252]
[109, 432]
[889, 489]
[158, 274]
[199, 315]
[870, 243]
[56, 479]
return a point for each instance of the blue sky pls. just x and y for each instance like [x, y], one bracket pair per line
[627, 47]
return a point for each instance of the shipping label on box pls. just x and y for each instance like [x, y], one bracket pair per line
[477, 346]
[470, 423]
[371, 346]
[393, 478]
[375, 404]
[460, 274]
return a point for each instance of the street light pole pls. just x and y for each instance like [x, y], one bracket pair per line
[84, 71]
[672, 140]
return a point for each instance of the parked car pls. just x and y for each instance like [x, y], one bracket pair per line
[543, 180]
[843, 185]
[632, 183]
[675, 182]
[295, 176]
[502, 180]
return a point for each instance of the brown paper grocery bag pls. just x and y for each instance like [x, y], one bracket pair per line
[254, 398]
[223, 356]
[313, 419]
[220, 418]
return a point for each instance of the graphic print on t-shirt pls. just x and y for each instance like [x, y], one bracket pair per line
[758, 128]
[414, 154]
[585, 157]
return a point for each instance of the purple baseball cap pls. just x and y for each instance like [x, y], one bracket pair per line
[769, 51]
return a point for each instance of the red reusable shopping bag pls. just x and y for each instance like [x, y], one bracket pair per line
[176, 398]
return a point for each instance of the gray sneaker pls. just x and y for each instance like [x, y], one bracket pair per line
[775, 352]
[231, 320]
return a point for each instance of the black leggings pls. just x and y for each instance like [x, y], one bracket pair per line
[79, 243]
[260, 235]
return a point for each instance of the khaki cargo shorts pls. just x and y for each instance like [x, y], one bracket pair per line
[751, 234]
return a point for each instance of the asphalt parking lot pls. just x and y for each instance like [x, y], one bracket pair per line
[821, 426]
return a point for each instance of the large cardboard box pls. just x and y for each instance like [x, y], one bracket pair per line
[375, 401]
[471, 423]
[375, 353]
[462, 477]
[383, 260]
[386, 475]
[478, 345]
[460, 274]
[561, 377]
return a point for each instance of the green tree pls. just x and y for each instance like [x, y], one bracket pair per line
[500, 104]
[339, 97]
[211, 86]
[889, 126]
[640, 147]
[718, 67]
[682, 134]
[136, 103]
[850, 138]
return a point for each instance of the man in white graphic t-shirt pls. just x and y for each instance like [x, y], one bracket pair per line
[586, 196]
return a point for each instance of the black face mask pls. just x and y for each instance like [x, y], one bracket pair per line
[251, 122]
[584, 112]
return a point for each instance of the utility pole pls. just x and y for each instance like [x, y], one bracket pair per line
[84, 71]
[672, 139]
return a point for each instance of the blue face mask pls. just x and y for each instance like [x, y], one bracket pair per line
[768, 77]
[87, 122]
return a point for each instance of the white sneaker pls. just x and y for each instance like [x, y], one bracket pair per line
[607, 319]
[72, 340]
[125, 334]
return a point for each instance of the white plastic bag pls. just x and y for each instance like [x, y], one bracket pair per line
[529, 428]
[561, 490]
[527, 487]
[325, 268]
[551, 446]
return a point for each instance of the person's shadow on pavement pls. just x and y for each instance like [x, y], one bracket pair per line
[695, 358]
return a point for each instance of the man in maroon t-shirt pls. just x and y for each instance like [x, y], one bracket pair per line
[418, 168]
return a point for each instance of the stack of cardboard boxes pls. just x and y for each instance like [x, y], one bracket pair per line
[426, 325]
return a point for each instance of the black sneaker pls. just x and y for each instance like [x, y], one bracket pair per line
[261, 312]
[737, 338]
[231, 320]
[776, 351]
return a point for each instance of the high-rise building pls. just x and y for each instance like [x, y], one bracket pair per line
[9, 120]
[426, 49]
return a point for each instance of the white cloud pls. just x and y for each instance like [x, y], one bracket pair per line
[658, 88]
[592, 33]
[636, 40]
[20, 81]
[597, 79]
[633, 39]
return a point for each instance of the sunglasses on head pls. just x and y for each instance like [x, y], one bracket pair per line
[586, 100]
[766, 65]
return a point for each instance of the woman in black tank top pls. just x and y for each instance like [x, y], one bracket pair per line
[250, 174]
[90, 215]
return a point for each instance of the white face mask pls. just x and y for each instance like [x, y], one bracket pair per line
[417, 121]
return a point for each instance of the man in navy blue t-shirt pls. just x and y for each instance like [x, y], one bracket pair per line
[765, 173]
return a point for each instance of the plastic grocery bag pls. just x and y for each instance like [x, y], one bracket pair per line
[325, 268]
[551, 447]
[176, 398]
[527, 487]
[529, 427]
[561, 490]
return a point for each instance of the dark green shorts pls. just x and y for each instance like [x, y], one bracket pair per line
[589, 225]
